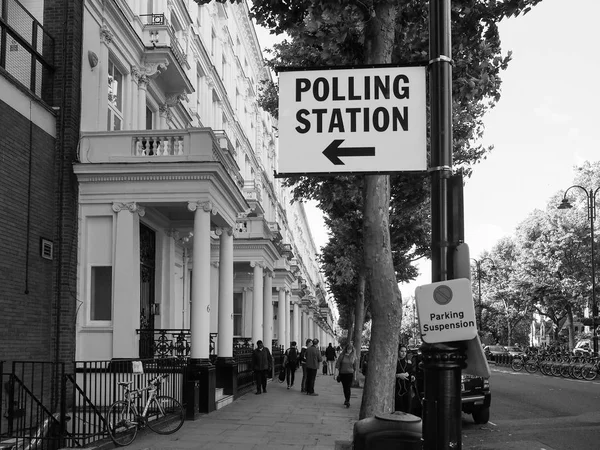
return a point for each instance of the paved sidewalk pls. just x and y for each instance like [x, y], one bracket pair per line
[280, 419]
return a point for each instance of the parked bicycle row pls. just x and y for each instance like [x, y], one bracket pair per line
[558, 364]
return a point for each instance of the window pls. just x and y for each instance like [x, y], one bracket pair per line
[115, 98]
[149, 119]
[238, 304]
[101, 293]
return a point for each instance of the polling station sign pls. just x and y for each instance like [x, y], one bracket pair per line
[352, 120]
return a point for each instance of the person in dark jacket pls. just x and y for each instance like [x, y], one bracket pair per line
[404, 378]
[290, 362]
[330, 357]
[313, 361]
[262, 363]
[303, 364]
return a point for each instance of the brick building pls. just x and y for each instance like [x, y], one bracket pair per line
[39, 115]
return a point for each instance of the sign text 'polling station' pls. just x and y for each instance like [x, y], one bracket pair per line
[352, 120]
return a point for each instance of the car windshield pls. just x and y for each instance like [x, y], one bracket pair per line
[512, 349]
[496, 348]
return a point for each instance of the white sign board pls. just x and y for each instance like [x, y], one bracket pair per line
[446, 311]
[352, 120]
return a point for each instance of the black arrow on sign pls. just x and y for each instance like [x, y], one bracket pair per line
[333, 152]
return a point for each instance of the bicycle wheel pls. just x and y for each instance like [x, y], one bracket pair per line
[165, 415]
[590, 372]
[531, 366]
[121, 422]
[517, 364]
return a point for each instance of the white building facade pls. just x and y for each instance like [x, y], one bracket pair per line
[187, 243]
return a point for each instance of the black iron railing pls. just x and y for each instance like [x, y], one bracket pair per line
[242, 353]
[153, 19]
[33, 412]
[165, 343]
[26, 49]
[94, 387]
[42, 407]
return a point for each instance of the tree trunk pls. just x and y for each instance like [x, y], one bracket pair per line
[570, 327]
[386, 303]
[359, 316]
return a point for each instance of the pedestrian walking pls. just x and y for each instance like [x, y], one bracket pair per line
[303, 364]
[330, 357]
[313, 361]
[404, 378]
[346, 367]
[262, 363]
[290, 362]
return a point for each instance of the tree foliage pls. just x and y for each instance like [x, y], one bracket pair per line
[546, 266]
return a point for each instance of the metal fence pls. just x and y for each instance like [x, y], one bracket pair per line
[32, 406]
[95, 388]
[43, 406]
[26, 49]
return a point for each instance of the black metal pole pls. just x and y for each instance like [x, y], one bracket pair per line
[591, 214]
[479, 296]
[440, 85]
[442, 363]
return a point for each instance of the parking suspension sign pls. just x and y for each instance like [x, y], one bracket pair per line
[352, 120]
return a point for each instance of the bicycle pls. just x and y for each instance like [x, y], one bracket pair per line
[163, 414]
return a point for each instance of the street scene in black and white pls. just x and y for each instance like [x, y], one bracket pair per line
[302, 225]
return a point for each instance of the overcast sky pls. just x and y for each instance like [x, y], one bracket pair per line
[546, 122]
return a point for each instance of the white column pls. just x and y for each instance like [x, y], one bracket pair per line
[311, 327]
[257, 302]
[163, 112]
[268, 310]
[126, 285]
[131, 116]
[141, 108]
[288, 317]
[281, 316]
[106, 38]
[225, 327]
[304, 334]
[200, 318]
[297, 324]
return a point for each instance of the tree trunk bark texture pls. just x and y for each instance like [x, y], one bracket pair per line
[386, 304]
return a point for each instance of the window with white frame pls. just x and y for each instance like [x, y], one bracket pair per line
[115, 98]
[238, 310]
[101, 293]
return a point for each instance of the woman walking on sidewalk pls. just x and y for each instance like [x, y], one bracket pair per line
[346, 366]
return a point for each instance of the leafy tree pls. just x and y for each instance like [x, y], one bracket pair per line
[382, 32]
[512, 306]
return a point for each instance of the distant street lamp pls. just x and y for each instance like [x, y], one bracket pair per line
[591, 210]
[478, 263]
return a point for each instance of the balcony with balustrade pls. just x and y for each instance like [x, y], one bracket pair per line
[201, 145]
[162, 46]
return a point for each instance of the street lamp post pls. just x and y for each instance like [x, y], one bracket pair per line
[591, 210]
[478, 263]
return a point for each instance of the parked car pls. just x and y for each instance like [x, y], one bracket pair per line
[476, 397]
[514, 350]
[491, 351]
